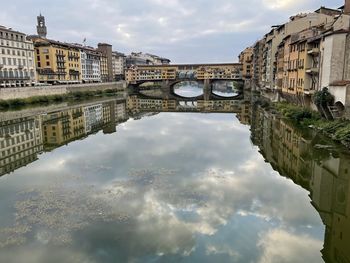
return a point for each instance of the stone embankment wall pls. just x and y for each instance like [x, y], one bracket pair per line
[34, 111]
[27, 92]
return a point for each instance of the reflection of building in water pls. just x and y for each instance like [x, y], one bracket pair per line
[20, 143]
[330, 193]
[62, 127]
[120, 111]
[114, 112]
[137, 104]
[93, 116]
[282, 145]
[323, 173]
[22, 139]
[244, 115]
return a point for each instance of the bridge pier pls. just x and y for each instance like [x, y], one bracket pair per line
[165, 89]
[207, 89]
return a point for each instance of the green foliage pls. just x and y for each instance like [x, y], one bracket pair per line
[36, 100]
[323, 98]
[343, 133]
[300, 115]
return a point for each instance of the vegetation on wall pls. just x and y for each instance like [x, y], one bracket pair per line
[323, 98]
[37, 100]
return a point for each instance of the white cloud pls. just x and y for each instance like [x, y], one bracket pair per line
[280, 246]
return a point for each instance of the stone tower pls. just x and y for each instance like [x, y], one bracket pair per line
[347, 7]
[41, 27]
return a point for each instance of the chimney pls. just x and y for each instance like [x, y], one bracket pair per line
[347, 7]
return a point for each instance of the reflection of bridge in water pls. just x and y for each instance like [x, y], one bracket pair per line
[167, 91]
[174, 103]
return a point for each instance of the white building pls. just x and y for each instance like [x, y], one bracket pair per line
[118, 65]
[90, 64]
[17, 67]
[20, 143]
[145, 59]
[335, 60]
[93, 116]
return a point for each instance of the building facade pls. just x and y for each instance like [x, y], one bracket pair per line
[118, 65]
[57, 62]
[106, 61]
[246, 59]
[17, 68]
[139, 58]
[90, 64]
[20, 143]
[268, 47]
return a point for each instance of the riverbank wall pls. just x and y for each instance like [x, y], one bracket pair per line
[39, 110]
[28, 92]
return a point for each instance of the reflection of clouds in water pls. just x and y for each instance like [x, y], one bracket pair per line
[151, 204]
[280, 246]
[35, 254]
[222, 249]
[163, 212]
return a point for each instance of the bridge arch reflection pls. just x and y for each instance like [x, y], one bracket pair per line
[189, 89]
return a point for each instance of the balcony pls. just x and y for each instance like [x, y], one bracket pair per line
[312, 71]
[313, 51]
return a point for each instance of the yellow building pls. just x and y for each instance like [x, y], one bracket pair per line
[246, 58]
[139, 73]
[57, 62]
[171, 72]
[302, 57]
[62, 127]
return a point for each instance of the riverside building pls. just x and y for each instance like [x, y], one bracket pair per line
[17, 67]
[90, 60]
[57, 62]
[118, 65]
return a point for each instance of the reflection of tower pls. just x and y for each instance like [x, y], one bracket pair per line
[41, 27]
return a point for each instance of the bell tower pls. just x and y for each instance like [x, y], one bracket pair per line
[41, 27]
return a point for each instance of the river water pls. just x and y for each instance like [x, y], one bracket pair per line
[140, 179]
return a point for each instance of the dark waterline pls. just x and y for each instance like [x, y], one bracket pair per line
[152, 180]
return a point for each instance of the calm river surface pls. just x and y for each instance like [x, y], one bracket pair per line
[163, 180]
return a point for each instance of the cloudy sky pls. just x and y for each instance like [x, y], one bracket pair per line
[183, 30]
